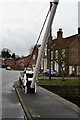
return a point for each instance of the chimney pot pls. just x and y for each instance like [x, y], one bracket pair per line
[60, 33]
[60, 29]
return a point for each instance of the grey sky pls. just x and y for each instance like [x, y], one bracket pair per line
[21, 22]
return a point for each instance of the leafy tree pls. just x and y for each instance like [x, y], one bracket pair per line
[13, 56]
[5, 53]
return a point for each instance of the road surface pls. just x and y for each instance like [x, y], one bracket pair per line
[11, 107]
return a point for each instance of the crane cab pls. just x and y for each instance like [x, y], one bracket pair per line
[25, 80]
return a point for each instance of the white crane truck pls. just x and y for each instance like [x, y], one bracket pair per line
[28, 78]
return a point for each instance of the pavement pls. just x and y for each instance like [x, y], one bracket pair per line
[46, 105]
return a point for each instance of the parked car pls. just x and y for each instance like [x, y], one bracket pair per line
[8, 68]
[54, 73]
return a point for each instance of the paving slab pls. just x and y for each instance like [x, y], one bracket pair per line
[46, 105]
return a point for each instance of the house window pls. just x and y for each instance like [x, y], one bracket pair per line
[78, 70]
[51, 55]
[42, 67]
[51, 65]
[46, 50]
[63, 53]
[56, 54]
[34, 57]
[56, 66]
[45, 64]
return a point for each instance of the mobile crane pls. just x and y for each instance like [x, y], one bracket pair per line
[30, 77]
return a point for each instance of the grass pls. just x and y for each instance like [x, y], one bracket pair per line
[60, 82]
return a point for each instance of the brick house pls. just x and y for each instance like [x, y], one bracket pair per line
[29, 60]
[21, 63]
[44, 62]
[10, 62]
[26, 60]
[61, 53]
[34, 56]
[65, 52]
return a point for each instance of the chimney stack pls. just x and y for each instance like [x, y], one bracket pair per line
[60, 33]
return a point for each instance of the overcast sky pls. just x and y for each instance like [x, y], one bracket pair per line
[21, 22]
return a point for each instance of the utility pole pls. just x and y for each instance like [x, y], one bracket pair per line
[49, 53]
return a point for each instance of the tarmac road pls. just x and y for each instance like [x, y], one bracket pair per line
[11, 107]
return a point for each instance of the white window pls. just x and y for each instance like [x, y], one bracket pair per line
[63, 53]
[51, 55]
[34, 57]
[56, 54]
[56, 66]
[70, 70]
[51, 65]
[45, 64]
[78, 70]
[46, 50]
[42, 67]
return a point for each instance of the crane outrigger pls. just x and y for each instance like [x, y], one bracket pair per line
[32, 83]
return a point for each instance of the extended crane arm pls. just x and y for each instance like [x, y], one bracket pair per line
[45, 38]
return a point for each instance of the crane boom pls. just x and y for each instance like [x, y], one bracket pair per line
[44, 41]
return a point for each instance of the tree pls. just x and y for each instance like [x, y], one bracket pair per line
[13, 56]
[61, 59]
[5, 53]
